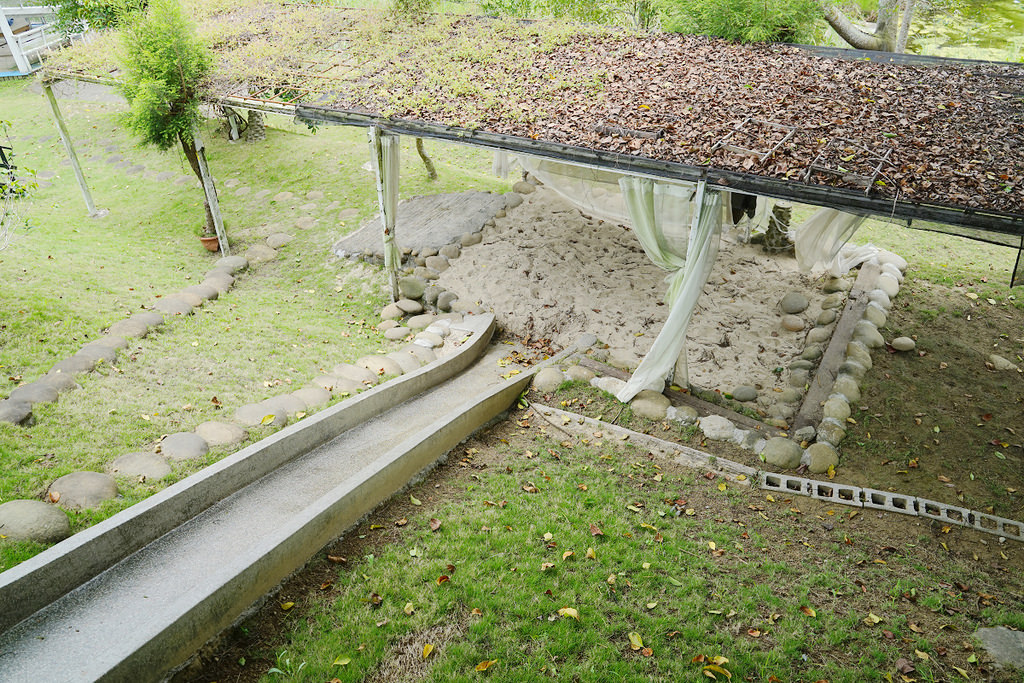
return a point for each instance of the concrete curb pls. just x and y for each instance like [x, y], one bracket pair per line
[325, 519]
[31, 585]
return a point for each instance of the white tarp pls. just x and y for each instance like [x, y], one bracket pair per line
[680, 229]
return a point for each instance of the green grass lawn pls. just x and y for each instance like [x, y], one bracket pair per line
[69, 277]
[588, 559]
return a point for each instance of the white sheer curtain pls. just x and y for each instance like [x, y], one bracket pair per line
[819, 242]
[680, 228]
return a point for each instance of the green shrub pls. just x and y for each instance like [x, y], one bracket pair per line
[747, 21]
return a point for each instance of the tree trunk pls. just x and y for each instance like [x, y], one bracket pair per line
[257, 129]
[188, 146]
[431, 171]
[884, 37]
[901, 38]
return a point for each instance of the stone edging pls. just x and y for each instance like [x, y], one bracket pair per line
[825, 491]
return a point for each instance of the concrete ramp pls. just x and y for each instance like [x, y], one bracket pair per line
[135, 596]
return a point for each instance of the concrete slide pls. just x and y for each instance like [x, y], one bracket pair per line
[136, 595]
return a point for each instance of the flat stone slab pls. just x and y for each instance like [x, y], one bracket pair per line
[380, 365]
[98, 353]
[33, 520]
[232, 264]
[150, 318]
[424, 354]
[184, 446]
[260, 253]
[34, 392]
[203, 291]
[14, 412]
[313, 397]
[278, 240]
[173, 305]
[406, 361]
[356, 373]
[219, 280]
[59, 382]
[191, 298]
[1005, 646]
[82, 490]
[145, 466]
[221, 434]
[252, 415]
[427, 222]
[289, 404]
[73, 365]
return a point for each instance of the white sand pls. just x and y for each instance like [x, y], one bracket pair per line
[548, 272]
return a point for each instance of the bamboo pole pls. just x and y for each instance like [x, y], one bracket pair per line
[211, 194]
[65, 137]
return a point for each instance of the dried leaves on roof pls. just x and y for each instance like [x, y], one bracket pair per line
[949, 135]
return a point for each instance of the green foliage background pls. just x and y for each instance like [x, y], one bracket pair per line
[748, 21]
[166, 69]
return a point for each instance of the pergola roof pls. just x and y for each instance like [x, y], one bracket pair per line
[940, 142]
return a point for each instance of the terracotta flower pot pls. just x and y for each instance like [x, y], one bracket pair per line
[211, 242]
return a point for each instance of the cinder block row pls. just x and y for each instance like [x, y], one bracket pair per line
[887, 500]
[941, 512]
[784, 483]
[837, 493]
[1000, 526]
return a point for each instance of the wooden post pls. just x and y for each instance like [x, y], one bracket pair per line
[69, 147]
[211, 194]
[384, 155]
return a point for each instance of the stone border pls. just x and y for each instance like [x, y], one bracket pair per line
[829, 492]
[824, 378]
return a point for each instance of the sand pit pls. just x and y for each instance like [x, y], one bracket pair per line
[549, 272]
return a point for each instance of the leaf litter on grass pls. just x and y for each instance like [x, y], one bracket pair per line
[745, 606]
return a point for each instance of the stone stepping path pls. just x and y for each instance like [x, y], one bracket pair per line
[44, 521]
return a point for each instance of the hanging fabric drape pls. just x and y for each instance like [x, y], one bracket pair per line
[820, 239]
[384, 156]
[679, 229]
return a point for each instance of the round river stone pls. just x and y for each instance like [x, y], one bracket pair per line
[33, 520]
[82, 490]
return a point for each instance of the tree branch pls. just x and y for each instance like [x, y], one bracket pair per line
[847, 31]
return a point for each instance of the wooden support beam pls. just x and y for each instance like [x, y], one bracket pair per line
[821, 386]
[384, 158]
[211, 194]
[65, 137]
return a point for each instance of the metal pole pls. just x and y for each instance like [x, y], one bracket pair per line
[211, 194]
[66, 138]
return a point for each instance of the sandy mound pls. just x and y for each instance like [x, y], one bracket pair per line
[549, 272]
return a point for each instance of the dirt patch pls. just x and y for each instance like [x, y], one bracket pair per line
[939, 422]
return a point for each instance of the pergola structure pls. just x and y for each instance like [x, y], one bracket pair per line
[929, 143]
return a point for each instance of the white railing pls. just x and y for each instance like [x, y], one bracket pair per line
[27, 47]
